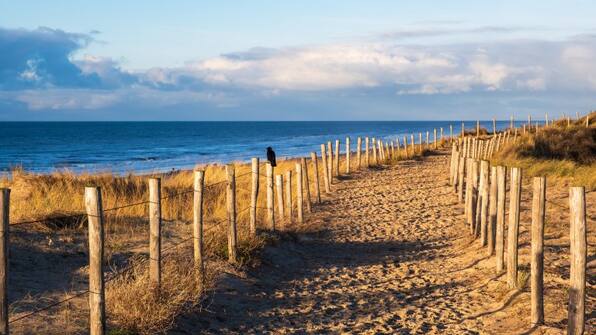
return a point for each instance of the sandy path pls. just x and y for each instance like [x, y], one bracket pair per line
[395, 257]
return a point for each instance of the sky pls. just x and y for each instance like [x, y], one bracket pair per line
[301, 60]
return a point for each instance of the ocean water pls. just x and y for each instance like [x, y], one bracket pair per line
[142, 147]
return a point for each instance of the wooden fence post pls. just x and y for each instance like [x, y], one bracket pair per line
[279, 189]
[326, 180]
[500, 234]
[461, 167]
[492, 211]
[484, 189]
[97, 311]
[289, 202]
[374, 150]
[392, 156]
[463, 130]
[441, 141]
[494, 126]
[299, 199]
[254, 196]
[4, 240]
[537, 260]
[420, 144]
[477, 128]
[455, 181]
[197, 228]
[577, 272]
[337, 152]
[330, 161]
[427, 144]
[306, 184]
[348, 151]
[315, 166]
[367, 151]
[513, 227]
[358, 152]
[405, 150]
[231, 196]
[475, 201]
[435, 138]
[155, 233]
[270, 205]
[452, 165]
[412, 145]
[470, 200]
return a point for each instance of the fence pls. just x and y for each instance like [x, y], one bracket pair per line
[484, 207]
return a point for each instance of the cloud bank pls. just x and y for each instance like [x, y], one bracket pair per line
[43, 70]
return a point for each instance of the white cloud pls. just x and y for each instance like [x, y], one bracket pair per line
[409, 69]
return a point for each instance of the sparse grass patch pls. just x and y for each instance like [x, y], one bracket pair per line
[557, 152]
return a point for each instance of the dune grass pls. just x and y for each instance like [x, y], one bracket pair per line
[561, 151]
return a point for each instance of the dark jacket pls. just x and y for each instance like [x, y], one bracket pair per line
[271, 156]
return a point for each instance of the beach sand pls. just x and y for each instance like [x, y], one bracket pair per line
[391, 254]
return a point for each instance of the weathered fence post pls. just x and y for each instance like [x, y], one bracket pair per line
[478, 128]
[254, 196]
[231, 197]
[455, 181]
[537, 260]
[513, 227]
[358, 152]
[4, 240]
[279, 189]
[155, 233]
[367, 151]
[492, 211]
[412, 145]
[461, 167]
[270, 205]
[577, 272]
[405, 151]
[471, 193]
[484, 189]
[420, 144]
[299, 199]
[337, 152]
[325, 172]
[306, 183]
[330, 161]
[435, 138]
[97, 311]
[348, 151]
[452, 165]
[289, 203]
[197, 225]
[468, 192]
[315, 166]
[374, 151]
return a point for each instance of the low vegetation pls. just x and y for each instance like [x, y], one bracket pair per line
[562, 150]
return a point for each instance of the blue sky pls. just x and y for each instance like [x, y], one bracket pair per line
[307, 60]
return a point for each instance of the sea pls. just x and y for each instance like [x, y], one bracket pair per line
[147, 147]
